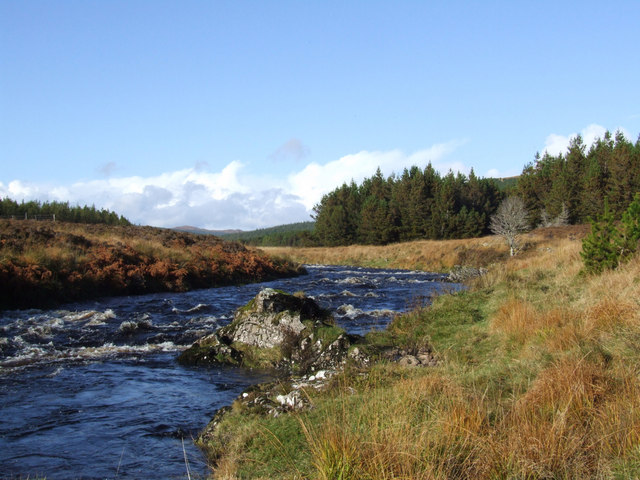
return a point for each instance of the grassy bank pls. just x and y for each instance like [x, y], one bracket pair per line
[430, 255]
[46, 263]
[539, 378]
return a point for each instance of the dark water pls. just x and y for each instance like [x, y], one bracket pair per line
[92, 390]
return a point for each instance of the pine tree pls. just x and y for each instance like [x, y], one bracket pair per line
[621, 178]
[630, 230]
[576, 165]
[600, 247]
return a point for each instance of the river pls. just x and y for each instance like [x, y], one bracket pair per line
[92, 390]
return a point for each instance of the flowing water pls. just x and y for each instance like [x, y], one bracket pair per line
[92, 390]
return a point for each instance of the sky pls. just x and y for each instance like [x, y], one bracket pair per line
[242, 114]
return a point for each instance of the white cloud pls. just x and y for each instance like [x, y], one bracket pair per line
[558, 144]
[225, 199]
[233, 197]
[315, 180]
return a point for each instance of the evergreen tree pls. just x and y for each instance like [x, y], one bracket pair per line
[444, 208]
[630, 230]
[527, 188]
[600, 247]
[574, 175]
[593, 190]
[621, 181]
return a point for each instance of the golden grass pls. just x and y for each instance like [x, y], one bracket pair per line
[431, 255]
[397, 433]
[439, 255]
[543, 384]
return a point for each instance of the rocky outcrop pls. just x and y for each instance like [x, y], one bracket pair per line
[460, 273]
[275, 330]
[270, 317]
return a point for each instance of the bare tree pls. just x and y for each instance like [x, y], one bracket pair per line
[509, 221]
[561, 220]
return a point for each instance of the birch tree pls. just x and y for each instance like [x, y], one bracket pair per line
[509, 221]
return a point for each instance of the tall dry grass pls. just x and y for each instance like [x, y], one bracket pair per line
[399, 433]
[433, 255]
[577, 417]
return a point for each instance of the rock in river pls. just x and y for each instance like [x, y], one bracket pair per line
[275, 330]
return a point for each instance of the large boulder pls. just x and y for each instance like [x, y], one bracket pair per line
[270, 317]
[278, 330]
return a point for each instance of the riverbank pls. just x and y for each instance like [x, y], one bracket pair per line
[537, 377]
[47, 263]
[427, 255]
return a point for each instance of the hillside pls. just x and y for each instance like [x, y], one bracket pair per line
[292, 234]
[204, 231]
[537, 378]
[46, 263]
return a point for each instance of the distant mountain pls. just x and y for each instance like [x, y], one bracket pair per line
[204, 231]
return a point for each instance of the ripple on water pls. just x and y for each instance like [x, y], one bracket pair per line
[94, 388]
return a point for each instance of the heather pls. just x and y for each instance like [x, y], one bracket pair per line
[46, 263]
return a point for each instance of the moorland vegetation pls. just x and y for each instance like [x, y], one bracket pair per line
[46, 263]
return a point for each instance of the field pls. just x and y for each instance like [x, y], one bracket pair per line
[538, 377]
[46, 263]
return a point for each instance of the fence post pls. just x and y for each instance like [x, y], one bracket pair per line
[25, 215]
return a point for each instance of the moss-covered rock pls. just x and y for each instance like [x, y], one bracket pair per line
[274, 330]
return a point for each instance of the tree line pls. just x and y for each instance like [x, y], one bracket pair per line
[416, 204]
[62, 210]
[580, 181]
[556, 189]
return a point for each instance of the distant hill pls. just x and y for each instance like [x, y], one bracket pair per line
[298, 234]
[204, 231]
[292, 234]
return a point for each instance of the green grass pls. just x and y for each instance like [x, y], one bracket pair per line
[537, 378]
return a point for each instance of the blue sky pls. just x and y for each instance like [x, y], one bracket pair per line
[242, 114]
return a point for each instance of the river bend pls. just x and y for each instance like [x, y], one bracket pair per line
[92, 390]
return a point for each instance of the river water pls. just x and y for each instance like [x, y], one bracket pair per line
[92, 390]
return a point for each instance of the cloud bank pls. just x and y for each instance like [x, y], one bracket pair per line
[232, 197]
